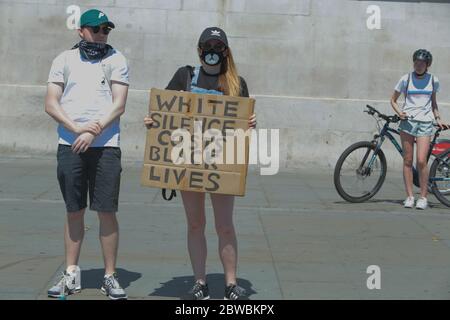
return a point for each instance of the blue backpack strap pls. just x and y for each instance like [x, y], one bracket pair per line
[407, 85]
[189, 77]
[432, 88]
[195, 77]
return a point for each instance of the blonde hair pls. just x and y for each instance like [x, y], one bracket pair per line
[229, 82]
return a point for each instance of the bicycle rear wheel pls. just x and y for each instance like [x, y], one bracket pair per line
[440, 178]
[359, 172]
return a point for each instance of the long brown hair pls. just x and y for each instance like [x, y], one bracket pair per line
[229, 82]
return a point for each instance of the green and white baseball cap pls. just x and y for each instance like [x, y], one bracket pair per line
[93, 18]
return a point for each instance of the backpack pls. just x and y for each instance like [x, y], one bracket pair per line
[407, 84]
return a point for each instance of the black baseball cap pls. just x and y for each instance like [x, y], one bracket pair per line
[213, 33]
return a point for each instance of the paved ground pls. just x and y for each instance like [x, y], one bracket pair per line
[297, 240]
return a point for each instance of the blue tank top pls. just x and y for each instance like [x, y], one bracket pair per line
[195, 89]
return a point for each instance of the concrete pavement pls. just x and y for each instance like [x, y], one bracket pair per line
[297, 239]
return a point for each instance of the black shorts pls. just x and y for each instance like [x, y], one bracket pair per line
[97, 170]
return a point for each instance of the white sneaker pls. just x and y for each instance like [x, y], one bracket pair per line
[409, 202]
[112, 289]
[422, 203]
[68, 284]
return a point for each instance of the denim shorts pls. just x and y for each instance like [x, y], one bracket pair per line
[417, 128]
[95, 172]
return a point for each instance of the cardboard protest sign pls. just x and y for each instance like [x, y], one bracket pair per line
[198, 142]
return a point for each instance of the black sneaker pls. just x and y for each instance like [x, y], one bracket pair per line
[198, 292]
[234, 292]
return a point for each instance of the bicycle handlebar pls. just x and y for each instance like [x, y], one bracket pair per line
[395, 118]
[372, 111]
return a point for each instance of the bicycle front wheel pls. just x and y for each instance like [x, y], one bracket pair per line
[359, 172]
[440, 177]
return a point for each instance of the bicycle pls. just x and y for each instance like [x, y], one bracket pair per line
[441, 166]
[365, 160]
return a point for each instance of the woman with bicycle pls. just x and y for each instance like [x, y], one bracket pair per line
[417, 115]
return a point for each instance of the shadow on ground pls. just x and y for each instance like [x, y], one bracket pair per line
[371, 201]
[177, 287]
[431, 204]
[92, 278]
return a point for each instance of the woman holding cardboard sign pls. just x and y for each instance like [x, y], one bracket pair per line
[217, 75]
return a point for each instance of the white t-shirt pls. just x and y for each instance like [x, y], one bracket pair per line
[87, 95]
[418, 102]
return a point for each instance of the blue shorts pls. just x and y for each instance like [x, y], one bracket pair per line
[417, 128]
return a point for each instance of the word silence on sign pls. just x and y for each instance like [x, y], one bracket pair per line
[196, 115]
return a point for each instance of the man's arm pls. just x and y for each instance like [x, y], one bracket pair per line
[53, 108]
[119, 95]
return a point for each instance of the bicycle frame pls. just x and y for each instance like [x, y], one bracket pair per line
[387, 131]
[376, 164]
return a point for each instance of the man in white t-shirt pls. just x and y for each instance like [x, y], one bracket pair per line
[86, 94]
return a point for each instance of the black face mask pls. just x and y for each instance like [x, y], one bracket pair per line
[92, 50]
[212, 58]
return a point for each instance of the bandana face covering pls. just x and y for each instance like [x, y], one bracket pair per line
[92, 50]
